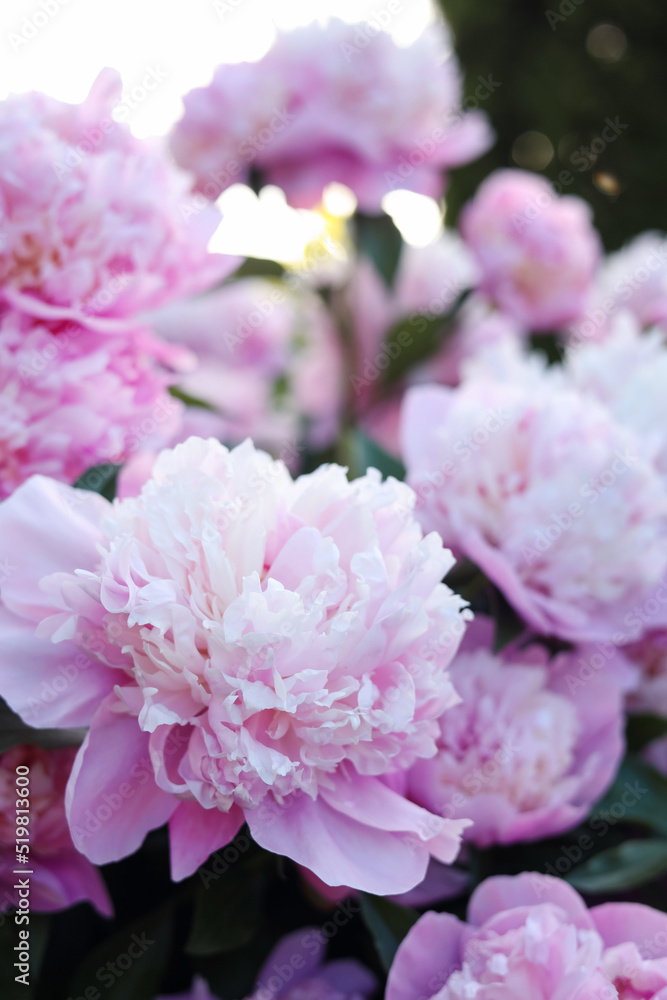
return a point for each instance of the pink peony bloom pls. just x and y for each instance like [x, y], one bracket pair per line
[296, 969]
[96, 225]
[634, 279]
[270, 363]
[60, 875]
[250, 646]
[71, 398]
[540, 487]
[538, 253]
[530, 937]
[315, 109]
[531, 746]
[627, 371]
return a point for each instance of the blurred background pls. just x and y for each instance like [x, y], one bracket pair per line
[565, 67]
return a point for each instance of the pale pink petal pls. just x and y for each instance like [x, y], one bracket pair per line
[338, 849]
[620, 922]
[426, 957]
[112, 800]
[195, 833]
[505, 892]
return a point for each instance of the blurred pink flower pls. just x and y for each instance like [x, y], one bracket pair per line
[60, 875]
[545, 492]
[270, 363]
[296, 969]
[250, 646]
[627, 371]
[530, 747]
[71, 398]
[97, 225]
[317, 109]
[634, 280]
[531, 936]
[538, 252]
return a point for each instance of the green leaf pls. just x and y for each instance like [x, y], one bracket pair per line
[550, 345]
[508, 625]
[228, 911]
[388, 923]
[129, 964]
[100, 479]
[643, 729]
[190, 400]
[638, 795]
[412, 340]
[627, 866]
[367, 453]
[380, 240]
[258, 267]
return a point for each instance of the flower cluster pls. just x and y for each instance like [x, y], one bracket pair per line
[335, 578]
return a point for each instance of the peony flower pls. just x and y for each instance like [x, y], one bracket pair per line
[314, 110]
[531, 936]
[296, 969]
[530, 747]
[540, 487]
[58, 875]
[269, 362]
[634, 280]
[538, 253]
[627, 371]
[97, 225]
[71, 398]
[250, 647]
